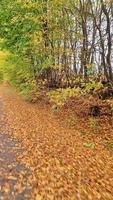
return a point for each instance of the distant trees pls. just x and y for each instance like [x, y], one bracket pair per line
[60, 39]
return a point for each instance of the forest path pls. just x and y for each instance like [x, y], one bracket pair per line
[63, 168]
[13, 175]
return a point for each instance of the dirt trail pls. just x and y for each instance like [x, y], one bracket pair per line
[63, 168]
[13, 175]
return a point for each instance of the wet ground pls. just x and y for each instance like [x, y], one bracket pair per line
[13, 175]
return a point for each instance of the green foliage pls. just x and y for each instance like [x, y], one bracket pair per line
[59, 96]
[3, 63]
[26, 90]
[21, 29]
[89, 145]
[42, 35]
[1, 76]
[18, 72]
[93, 85]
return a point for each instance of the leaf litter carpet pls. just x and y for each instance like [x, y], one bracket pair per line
[55, 163]
[13, 174]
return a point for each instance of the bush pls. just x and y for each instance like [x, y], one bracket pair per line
[59, 96]
[91, 86]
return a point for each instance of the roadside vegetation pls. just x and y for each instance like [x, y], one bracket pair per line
[59, 52]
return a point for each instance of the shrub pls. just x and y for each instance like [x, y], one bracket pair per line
[26, 89]
[91, 86]
[59, 96]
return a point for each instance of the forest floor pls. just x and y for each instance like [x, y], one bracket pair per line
[42, 158]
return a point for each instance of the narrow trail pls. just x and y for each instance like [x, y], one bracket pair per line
[13, 175]
[62, 167]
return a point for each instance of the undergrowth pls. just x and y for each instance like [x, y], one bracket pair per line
[60, 96]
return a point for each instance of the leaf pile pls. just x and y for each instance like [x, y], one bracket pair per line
[63, 167]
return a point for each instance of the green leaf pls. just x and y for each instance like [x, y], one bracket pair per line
[89, 145]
